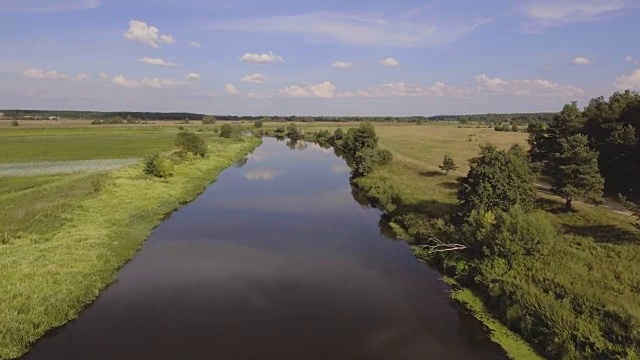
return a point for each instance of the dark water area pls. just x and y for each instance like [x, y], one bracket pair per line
[275, 260]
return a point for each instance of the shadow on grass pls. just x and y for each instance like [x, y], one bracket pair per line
[553, 206]
[431, 173]
[605, 234]
[430, 208]
[450, 185]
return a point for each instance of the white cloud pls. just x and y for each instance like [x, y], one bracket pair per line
[155, 82]
[262, 174]
[47, 6]
[632, 60]
[261, 58]
[322, 90]
[485, 86]
[342, 65]
[195, 44]
[389, 62]
[254, 79]
[192, 76]
[104, 76]
[231, 89]
[167, 39]
[631, 81]
[401, 89]
[42, 74]
[581, 61]
[543, 14]
[526, 87]
[150, 35]
[399, 30]
[155, 61]
[83, 77]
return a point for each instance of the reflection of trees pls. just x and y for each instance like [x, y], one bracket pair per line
[296, 145]
[280, 138]
[360, 197]
[242, 162]
[386, 230]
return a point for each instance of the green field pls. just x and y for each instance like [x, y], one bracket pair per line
[65, 236]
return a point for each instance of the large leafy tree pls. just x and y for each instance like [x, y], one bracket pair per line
[498, 180]
[545, 141]
[575, 171]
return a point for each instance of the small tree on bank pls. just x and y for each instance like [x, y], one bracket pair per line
[498, 180]
[191, 142]
[158, 166]
[575, 172]
[448, 164]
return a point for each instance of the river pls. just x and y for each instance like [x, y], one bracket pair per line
[275, 260]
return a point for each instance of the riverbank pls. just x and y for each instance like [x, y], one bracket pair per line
[583, 308]
[48, 276]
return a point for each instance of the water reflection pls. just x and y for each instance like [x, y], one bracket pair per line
[262, 174]
[290, 267]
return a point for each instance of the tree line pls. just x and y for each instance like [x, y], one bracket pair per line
[605, 135]
[123, 117]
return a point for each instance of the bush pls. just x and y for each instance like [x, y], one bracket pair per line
[208, 120]
[509, 235]
[384, 157]
[158, 166]
[15, 123]
[231, 131]
[192, 143]
[257, 124]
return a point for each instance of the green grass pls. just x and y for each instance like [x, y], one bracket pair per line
[29, 144]
[53, 265]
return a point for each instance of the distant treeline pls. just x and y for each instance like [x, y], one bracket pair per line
[517, 118]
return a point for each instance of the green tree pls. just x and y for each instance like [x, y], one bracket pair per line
[226, 130]
[15, 123]
[448, 164]
[575, 170]
[293, 132]
[257, 124]
[545, 141]
[357, 139]
[158, 166]
[497, 180]
[192, 142]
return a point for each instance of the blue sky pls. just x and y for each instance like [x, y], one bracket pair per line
[316, 57]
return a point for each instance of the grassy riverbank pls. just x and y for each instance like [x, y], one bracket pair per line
[579, 301]
[68, 235]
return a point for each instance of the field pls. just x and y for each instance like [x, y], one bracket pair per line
[64, 236]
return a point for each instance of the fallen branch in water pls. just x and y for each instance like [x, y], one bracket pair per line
[439, 246]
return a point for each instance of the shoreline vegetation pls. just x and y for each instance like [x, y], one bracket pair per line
[547, 281]
[51, 272]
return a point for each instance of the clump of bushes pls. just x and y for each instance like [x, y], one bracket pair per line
[15, 123]
[193, 143]
[231, 132]
[158, 166]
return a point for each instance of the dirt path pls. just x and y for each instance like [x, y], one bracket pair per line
[608, 204]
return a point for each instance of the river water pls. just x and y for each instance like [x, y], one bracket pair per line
[275, 260]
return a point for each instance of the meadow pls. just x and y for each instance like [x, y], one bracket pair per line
[64, 236]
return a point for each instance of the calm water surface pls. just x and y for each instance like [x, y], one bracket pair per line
[276, 260]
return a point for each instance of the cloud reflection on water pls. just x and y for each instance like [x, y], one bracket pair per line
[262, 174]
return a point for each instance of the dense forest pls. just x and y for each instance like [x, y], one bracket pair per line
[610, 131]
[490, 119]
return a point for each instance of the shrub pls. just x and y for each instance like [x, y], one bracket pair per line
[208, 120]
[158, 166]
[384, 157]
[448, 164]
[15, 123]
[231, 131]
[509, 235]
[257, 124]
[191, 142]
